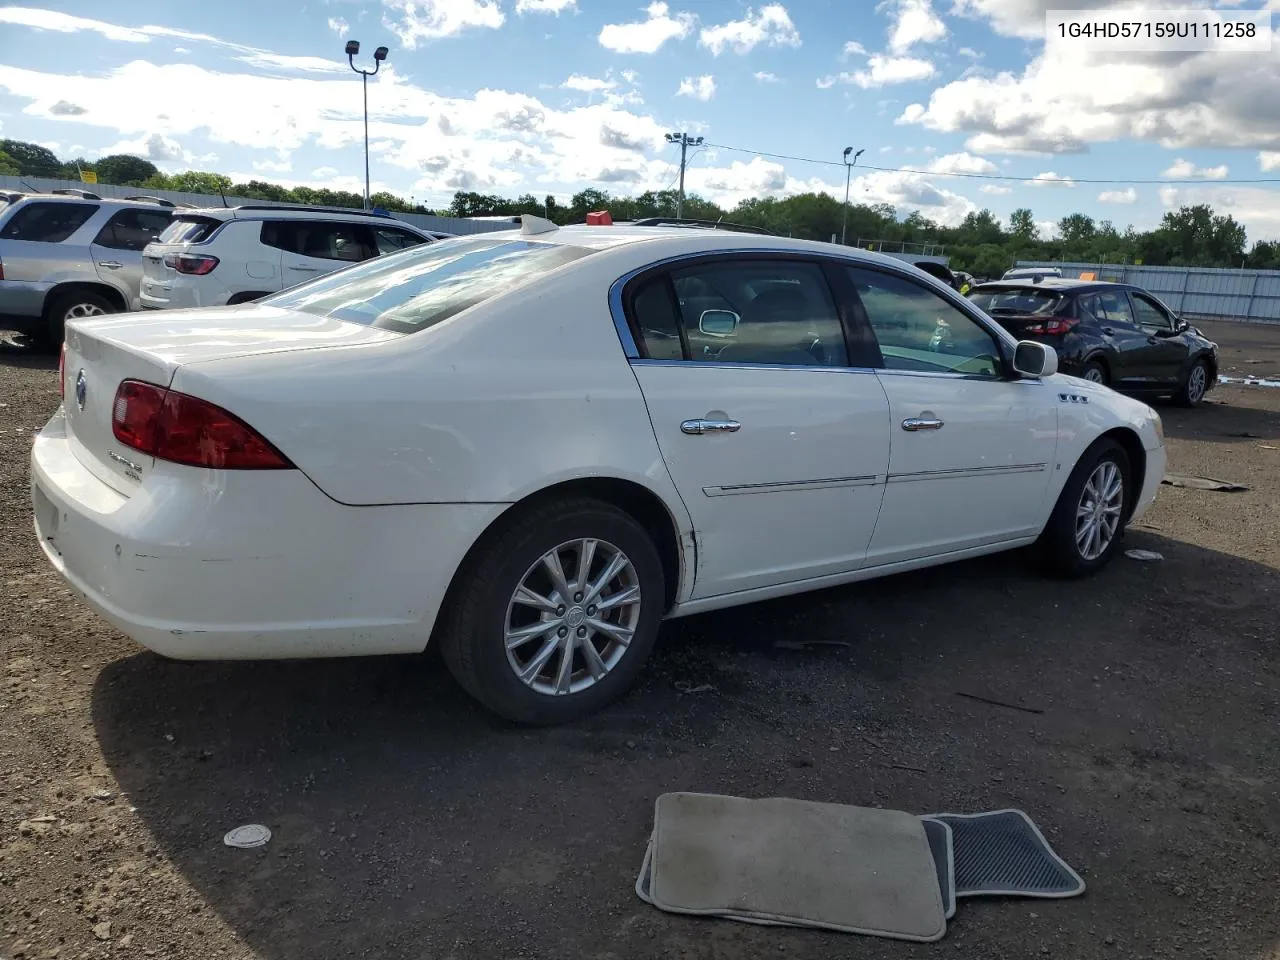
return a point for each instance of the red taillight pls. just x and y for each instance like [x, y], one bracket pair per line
[191, 263]
[62, 371]
[184, 429]
[1054, 327]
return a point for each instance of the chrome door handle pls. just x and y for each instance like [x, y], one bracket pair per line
[912, 424]
[699, 427]
[308, 269]
[111, 264]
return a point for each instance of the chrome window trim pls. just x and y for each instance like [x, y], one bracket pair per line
[631, 349]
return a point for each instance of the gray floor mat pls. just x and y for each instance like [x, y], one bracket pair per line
[939, 835]
[1003, 853]
[829, 866]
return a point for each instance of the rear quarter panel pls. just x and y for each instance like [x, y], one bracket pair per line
[498, 402]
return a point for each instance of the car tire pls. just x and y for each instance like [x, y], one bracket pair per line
[1194, 385]
[70, 306]
[482, 613]
[1095, 372]
[1062, 551]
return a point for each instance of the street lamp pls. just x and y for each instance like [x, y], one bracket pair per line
[848, 173]
[353, 48]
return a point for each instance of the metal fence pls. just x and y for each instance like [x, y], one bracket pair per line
[107, 190]
[1252, 296]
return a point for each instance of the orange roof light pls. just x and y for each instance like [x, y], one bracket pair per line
[599, 218]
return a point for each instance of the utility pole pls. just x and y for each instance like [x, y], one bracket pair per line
[685, 142]
[848, 174]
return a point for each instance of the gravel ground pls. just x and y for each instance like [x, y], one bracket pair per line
[407, 823]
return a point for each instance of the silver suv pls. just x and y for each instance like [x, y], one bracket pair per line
[70, 253]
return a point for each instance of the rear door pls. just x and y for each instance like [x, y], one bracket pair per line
[312, 248]
[776, 444]
[1166, 352]
[117, 249]
[1128, 357]
[41, 241]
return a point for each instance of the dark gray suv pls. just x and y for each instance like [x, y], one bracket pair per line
[71, 254]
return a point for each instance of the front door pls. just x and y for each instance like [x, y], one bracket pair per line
[777, 446]
[314, 248]
[972, 451]
[1165, 352]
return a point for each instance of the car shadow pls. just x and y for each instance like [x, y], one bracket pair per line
[407, 822]
[17, 350]
[1241, 416]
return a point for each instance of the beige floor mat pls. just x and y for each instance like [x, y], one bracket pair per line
[823, 865]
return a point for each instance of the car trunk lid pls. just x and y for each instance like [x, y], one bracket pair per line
[100, 354]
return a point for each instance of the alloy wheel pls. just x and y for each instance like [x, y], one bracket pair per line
[1094, 375]
[80, 310]
[1098, 513]
[572, 617]
[1197, 382]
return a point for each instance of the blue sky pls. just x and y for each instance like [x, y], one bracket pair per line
[550, 96]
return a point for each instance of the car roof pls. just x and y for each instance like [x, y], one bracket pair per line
[273, 211]
[1056, 284]
[686, 239]
[16, 197]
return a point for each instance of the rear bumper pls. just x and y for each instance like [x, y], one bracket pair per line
[179, 293]
[203, 564]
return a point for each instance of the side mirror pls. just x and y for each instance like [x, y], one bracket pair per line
[1032, 359]
[718, 323]
[1180, 326]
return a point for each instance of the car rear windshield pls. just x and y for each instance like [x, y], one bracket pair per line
[186, 229]
[425, 285]
[1017, 300]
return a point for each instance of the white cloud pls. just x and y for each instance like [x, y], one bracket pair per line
[588, 84]
[772, 27]
[1256, 207]
[339, 26]
[646, 36]
[883, 71]
[157, 148]
[995, 189]
[1051, 179]
[1070, 96]
[1269, 160]
[1128, 195]
[853, 47]
[321, 173]
[272, 166]
[1048, 229]
[1186, 170]
[415, 21]
[914, 21]
[765, 77]
[546, 6]
[700, 88]
[962, 163]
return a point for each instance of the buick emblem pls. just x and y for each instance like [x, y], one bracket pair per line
[81, 388]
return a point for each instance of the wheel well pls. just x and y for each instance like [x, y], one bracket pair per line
[245, 296]
[1133, 448]
[1100, 359]
[101, 289]
[641, 504]
[1212, 365]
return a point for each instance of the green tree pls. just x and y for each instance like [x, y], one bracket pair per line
[32, 159]
[1022, 226]
[191, 181]
[124, 169]
[8, 166]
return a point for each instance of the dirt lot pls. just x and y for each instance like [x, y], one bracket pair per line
[407, 823]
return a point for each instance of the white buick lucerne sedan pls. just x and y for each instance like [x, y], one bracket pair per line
[531, 447]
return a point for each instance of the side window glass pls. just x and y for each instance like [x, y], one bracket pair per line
[1088, 308]
[132, 229]
[1150, 316]
[47, 222]
[334, 241]
[389, 240]
[918, 330]
[656, 321]
[281, 234]
[1115, 308]
[759, 311]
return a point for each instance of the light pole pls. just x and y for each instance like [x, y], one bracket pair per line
[353, 48]
[685, 142]
[848, 174]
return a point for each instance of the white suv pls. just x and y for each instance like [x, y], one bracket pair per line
[224, 255]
